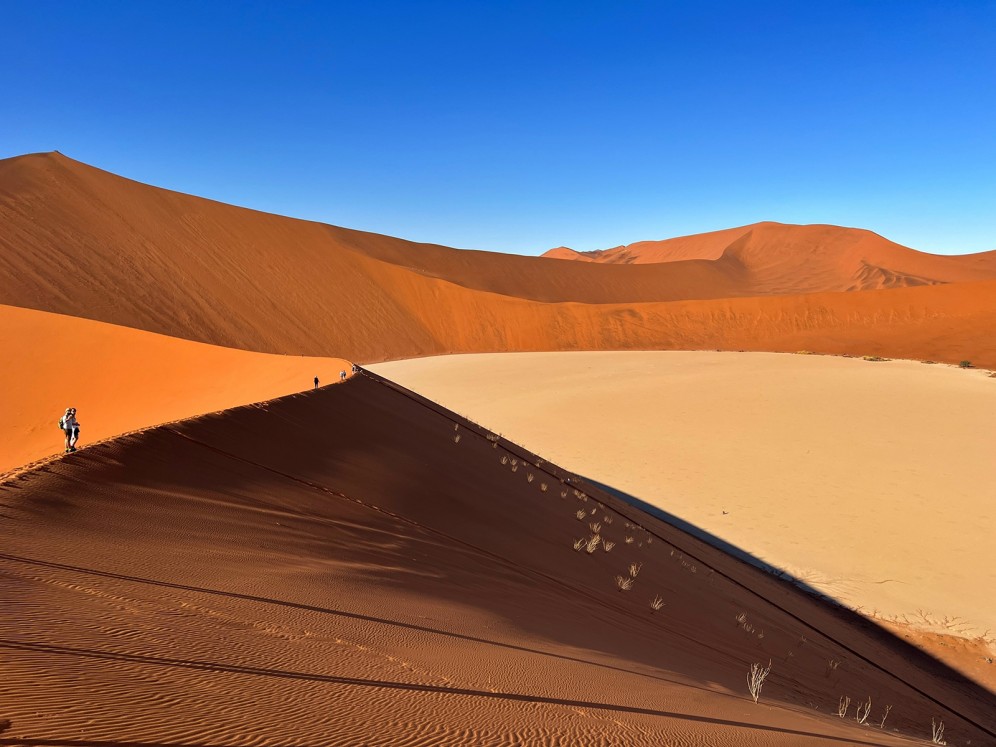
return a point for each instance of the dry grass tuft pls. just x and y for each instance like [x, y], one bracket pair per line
[607, 546]
[581, 515]
[634, 569]
[624, 583]
[593, 544]
[579, 543]
[544, 487]
[595, 527]
[456, 438]
[656, 603]
[630, 540]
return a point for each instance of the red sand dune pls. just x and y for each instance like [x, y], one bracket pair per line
[783, 259]
[190, 584]
[82, 242]
[121, 379]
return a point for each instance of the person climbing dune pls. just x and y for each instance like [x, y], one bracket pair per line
[69, 426]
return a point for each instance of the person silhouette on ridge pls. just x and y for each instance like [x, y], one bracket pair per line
[316, 382]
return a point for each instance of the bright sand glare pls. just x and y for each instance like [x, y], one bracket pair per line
[873, 482]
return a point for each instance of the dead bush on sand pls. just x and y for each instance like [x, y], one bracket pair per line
[634, 569]
[937, 732]
[881, 724]
[843, 705]
[579, 543]
[861, 712]
[607, 546]
[593, 544]
[755, 679]
[656, 603]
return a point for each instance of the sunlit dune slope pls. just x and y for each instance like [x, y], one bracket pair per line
[774, 258]
[120, 379]
[259, 577]
[82, 242]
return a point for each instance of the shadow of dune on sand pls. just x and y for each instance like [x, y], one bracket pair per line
[404, 509]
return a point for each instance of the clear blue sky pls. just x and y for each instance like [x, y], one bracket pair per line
[519, 126]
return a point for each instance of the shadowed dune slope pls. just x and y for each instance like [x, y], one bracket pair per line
[83, 242]
[774, 258]
[286, 589]
[121, 379]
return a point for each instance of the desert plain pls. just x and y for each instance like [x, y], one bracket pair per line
[447, 548]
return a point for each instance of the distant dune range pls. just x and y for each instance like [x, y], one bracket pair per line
[358, 566]
[80, 241]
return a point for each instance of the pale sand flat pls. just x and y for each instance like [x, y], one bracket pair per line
[871, 481]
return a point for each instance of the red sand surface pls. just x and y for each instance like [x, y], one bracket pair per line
[121, 379]
[190, 585]
[83, 242]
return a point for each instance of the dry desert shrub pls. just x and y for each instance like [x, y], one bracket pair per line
[504, 459]
[607, 546]
[634, 569]
[543, 487]
[843, 705]
[937, 732]
[593, 544]
[756, 677]
[873, 358]
[595, 527]
[656, 603]
[563, 493]
[861, 712]
[832, 665]
[965, 364]
[881, 724]
[629, 540]
[579, 543]
[581, 515]
[529, 477]
[624, 583]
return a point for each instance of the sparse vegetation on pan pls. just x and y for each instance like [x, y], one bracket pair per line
[607, 546]
[625, 583]
[634, 569]
[579, 543]
[593, 544]
[656, 603]
[965, 364]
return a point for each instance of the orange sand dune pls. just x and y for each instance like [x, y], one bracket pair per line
[122, 379]
[777, 258]
[82, 242]
[192, 585]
